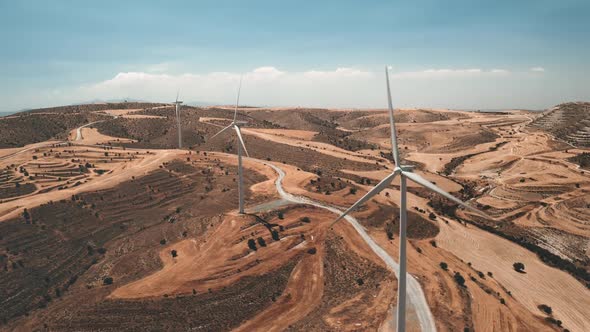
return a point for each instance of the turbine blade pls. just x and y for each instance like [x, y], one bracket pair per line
[394, 148]
[238, 100]
[241, 139]
[177, 93]
[222, 130]
[377, 189]
[429, 185]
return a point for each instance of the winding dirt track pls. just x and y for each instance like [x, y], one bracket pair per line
[416, 296]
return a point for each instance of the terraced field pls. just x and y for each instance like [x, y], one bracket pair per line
[53, 168]
[49, 248]
[569, 122]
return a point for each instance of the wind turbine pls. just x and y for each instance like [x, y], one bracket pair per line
[178, 103]
[405, 172]
[236, 126]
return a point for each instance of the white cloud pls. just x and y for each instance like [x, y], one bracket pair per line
[500, 71]
[340, 87]
[338, 73]
[538, 69]
[448, 73]
[264, 86]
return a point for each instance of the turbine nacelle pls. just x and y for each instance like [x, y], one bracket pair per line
[407, 168]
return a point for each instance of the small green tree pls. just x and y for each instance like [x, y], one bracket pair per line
[545, 308]
[252, 244]
[518, 267]
[459, 279]
[444, 266]
[275, 235]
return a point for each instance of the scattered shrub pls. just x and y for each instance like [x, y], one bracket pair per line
[252, 244]
[545, 308]
[444, 266]
[275, 235]
[459, 279]
[518, 267]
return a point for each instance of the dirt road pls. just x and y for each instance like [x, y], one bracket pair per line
[416, 297]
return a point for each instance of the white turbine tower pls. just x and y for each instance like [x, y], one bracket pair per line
[405, 172]
[236, 126]
[178, 103]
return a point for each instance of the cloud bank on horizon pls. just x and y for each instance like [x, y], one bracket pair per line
[345, 87]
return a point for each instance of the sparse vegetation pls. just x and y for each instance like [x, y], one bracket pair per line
[518, 267]
[459, 279]
[252, 244]
[582, 159]
[274, 234]
[545, 308]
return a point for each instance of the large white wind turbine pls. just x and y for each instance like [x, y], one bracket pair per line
[178, 103]
[236, 126]
[405, 172]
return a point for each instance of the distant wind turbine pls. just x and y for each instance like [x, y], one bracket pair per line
[236, 126]
[405, 172]
[178, 103]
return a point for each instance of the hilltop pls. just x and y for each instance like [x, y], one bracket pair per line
[569, 122]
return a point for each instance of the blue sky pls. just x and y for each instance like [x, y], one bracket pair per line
[454, 54]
